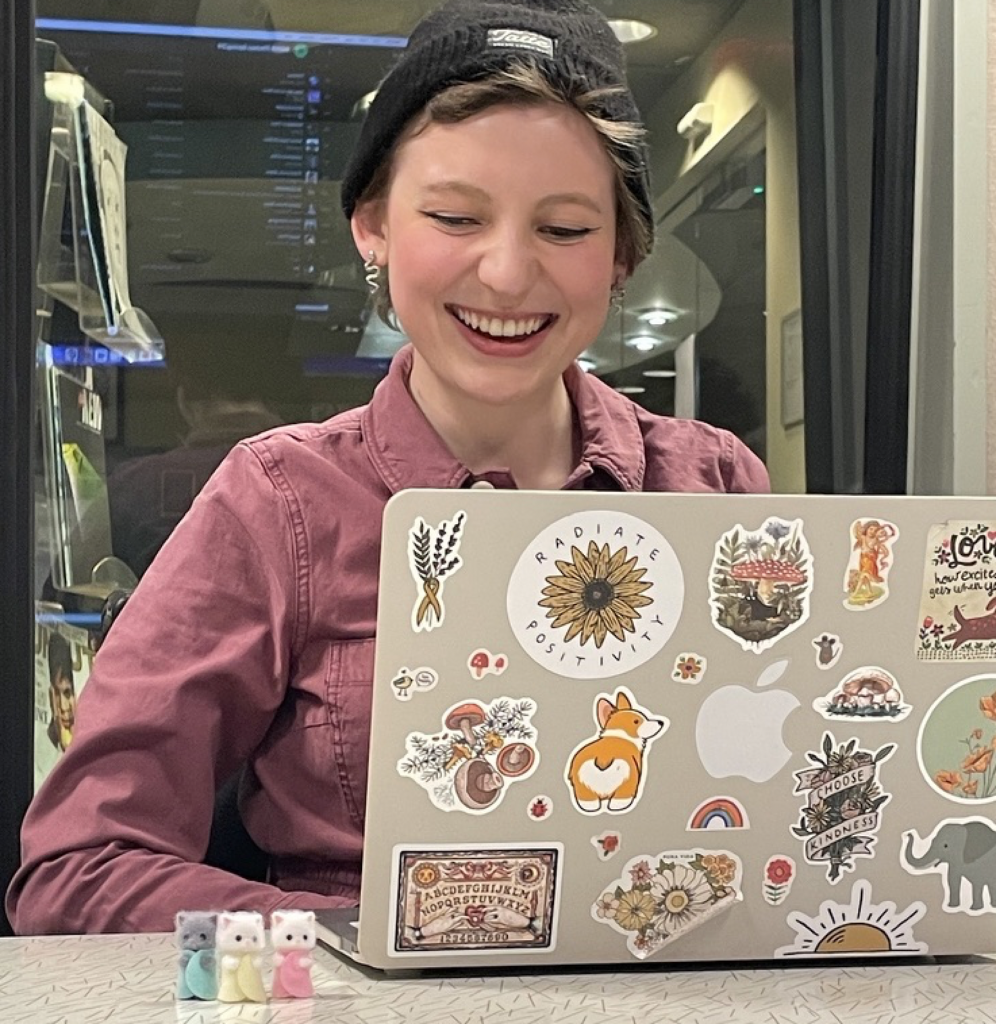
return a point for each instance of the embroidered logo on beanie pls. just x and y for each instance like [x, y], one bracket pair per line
[520, 39]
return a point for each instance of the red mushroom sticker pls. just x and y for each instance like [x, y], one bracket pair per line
[479, 752]
[760, 582]
[482, 663]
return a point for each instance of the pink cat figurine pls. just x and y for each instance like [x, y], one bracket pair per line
[292, 933]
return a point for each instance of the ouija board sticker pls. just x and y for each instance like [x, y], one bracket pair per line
[958, 601]
[659, 898]
[843, 804]
[860, 927]
[595, 594]
[475, 898]
[760, 583]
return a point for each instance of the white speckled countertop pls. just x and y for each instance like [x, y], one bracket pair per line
[128, 979]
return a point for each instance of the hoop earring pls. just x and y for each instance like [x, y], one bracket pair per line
[371, 272]
[617, 296]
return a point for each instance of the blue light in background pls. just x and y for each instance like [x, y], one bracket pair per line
[259, 35]
[91, 355]
[86, 619]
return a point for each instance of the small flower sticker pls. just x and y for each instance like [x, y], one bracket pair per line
[540, 808]
[689, 668]
[607, 844]
[779, 874]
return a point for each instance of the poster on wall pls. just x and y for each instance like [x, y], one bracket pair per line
[63, 659]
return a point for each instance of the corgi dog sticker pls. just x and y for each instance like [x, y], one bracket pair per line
[606, 772]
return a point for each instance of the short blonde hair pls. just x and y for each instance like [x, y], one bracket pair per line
[523, 84]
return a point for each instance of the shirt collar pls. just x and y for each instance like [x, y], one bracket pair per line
[407, 452]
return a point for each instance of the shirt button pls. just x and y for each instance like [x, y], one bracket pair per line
[482, 485]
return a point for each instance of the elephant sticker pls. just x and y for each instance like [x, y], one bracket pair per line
[963, 852]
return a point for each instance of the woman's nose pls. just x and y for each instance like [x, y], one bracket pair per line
[508, 264]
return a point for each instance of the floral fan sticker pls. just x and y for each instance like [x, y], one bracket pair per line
[760, 583]
[595, 594]
[434, 555]
[659, 899]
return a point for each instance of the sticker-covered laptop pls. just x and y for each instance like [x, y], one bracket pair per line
[612, 728]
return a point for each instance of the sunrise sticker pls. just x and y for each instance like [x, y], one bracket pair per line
[858, 928]
[596, 594]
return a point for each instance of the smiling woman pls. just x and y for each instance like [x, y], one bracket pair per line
[501, 178]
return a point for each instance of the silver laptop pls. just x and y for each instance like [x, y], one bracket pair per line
[613, 728]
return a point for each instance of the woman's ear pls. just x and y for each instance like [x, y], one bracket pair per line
[369, 232]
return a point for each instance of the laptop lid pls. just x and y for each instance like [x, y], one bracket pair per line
[613, 727]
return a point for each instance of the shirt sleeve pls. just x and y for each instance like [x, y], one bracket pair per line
[183, 690]
[744, 472]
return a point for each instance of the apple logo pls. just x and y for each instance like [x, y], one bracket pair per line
[739, 731]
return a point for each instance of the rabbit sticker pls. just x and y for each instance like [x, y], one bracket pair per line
[606, 772]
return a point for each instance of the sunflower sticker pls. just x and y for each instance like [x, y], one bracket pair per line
[596, 594]
[659, 898]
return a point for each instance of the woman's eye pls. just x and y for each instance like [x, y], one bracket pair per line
[566, 234]
[451, 220]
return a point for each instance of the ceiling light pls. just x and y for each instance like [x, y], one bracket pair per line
[628, 30]
[659, 317]
[643, 343]
[629, 390]
[587, 365]
[660, 373]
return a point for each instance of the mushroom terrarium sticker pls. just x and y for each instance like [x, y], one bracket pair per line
[467, 767]
[761, 581]
[435, 555]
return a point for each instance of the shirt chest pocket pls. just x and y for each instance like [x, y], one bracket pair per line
[348, 690]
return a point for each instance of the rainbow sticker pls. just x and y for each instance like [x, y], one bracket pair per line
[718, 812]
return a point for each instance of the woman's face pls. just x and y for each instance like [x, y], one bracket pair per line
[499, 236]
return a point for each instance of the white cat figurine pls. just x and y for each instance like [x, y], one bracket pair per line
[240, 938]
[293, 935]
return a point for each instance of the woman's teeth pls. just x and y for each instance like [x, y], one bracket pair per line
[496, 327]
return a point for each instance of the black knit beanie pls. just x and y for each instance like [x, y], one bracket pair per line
[568, 40]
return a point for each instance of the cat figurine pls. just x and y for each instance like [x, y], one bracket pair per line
[293, 935]
[239, 942]
[197, 974]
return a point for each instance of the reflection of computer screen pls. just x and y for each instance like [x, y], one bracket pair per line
[236, 142]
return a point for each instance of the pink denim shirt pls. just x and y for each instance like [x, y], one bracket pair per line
[250, 640]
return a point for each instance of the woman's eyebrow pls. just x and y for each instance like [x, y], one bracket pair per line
[460, 187]
[577, 198]
[465, 188]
